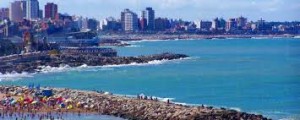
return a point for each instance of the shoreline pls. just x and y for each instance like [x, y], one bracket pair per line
[139, 37]
[104, 103]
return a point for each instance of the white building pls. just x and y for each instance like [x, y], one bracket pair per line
[129, 20]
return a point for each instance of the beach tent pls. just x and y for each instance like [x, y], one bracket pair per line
[47, 93]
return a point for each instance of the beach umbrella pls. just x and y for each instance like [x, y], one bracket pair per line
[68, 100]
[78, 104]
[34, 102]
[13, 102]
[70, 107]
[62, 105]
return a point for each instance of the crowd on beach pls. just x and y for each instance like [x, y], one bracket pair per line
[32, 102]
[54, 103]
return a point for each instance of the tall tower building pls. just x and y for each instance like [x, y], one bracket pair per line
[143, 21]
[215, 24]
[4, 13]
[17, 10]
[150, 18]
[32, 9]
[129, 20]
[50, 10]
[241, 22]
[231, 24]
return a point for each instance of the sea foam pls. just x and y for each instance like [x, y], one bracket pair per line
[64, 68]
[15, 76]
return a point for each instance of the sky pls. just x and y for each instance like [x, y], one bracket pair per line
[270, 10]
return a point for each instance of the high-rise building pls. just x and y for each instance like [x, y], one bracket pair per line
[241, 22]
[205, 25]
[51, 10]
[143, 21]
[231, 24]
[92, 24]
[4, 13]
[17, 10]
[215, 24]
[129, 20]
[162, 24]
[150, 18]
[32, 9]
[41, 14]
[110, 24]
[261, 25]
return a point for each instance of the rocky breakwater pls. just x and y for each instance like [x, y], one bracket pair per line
[140, 108]
[147, 109]
[32, 62]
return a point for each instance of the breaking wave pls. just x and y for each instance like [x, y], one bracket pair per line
[15, 76]
[64, 68]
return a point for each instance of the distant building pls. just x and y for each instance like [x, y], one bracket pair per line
[92, 24]
[222, 23]
[17, 10]
[150, 16]
[203, 25]
[231, 24]
[261, 25]
[143, 21]
[32, 9]
[51, 10]
[41, 14]
[215, 24]
[129, 20]
[162, 24]
[110, 24]
[84, 24]
[241, 22]
[4, 13]
[78, 22]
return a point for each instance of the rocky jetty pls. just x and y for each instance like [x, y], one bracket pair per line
[139, 108]
[32, 62]
[8, 48]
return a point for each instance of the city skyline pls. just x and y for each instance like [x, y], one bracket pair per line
[270, 10]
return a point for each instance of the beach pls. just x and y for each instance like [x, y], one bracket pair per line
[22, 99]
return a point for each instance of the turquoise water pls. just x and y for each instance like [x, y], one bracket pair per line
[259, 76]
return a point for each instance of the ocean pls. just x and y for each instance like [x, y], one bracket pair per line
[260, 76]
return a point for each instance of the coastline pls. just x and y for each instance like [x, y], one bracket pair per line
[104, 103]
[138, 37]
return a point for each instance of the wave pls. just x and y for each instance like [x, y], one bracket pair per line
[154, 62]
[134, 46]
[84, 67]
[139, 41]
[15, 76]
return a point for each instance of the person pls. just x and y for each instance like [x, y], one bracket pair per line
[168, 101]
